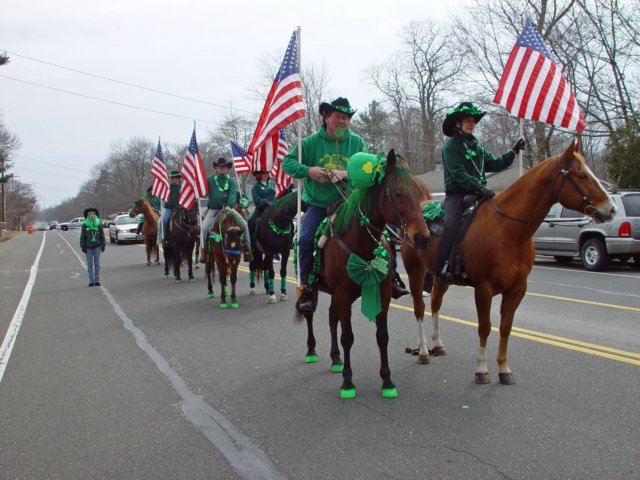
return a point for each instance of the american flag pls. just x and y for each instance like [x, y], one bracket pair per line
[241, 161]
[532, 85]
[284, 105]
[281, 179]
[160, 184]
[193, 176]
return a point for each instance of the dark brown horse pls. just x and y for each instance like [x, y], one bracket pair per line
[224, 250]
[272, 233]
[181, 241]
[498, 251]
[358, 231]
[149, 228]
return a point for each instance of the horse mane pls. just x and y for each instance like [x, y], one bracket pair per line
[363, 198]
[285, 205]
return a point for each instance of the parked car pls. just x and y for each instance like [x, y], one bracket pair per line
[40, 226]
[566, 234]
[123, 228]
[75, 223]
[53, 224]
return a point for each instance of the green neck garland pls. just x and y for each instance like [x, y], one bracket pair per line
[225, 187]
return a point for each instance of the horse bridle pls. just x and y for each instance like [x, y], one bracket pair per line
[565, 176]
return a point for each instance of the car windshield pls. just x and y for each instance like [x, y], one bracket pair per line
[631, 205]
[127, 220]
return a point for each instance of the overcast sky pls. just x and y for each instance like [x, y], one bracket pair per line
[203, 49]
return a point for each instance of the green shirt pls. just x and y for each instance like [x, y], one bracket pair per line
[465, 162]
[263, 194]
[153, 201]
[320, 150]
[222, 191]
[174, 195]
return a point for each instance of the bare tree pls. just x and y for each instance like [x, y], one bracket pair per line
[21, 204]
[9, 143]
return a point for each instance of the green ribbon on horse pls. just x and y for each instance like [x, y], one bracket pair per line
[369, 275]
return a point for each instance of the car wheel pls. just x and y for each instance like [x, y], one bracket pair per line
[594, 255]
[65, 228]
[117, 241]
[563, 260]
[111, 239]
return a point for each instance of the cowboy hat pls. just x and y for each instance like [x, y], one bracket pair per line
[258, 172]
[222, 162]
[340, 104]
[89, 210]
[175, 174]
[455, 115]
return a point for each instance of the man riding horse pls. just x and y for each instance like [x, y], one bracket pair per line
[174, 194]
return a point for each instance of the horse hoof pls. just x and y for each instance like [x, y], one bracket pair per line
[252, 291]
[148, 264]
[283, 297]
[506, 378]
[210, 295]
[423, 359]
[438, 351]
[390, 392]
[223, 305]
[272, 299]
[311, 358]
[234, 305]
[337, 367]
[348, 394]
[408, 350]
[178, 280]
[483, 378]
[192, 279]
[166, 276]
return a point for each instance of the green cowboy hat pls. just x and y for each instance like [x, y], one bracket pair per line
[455, 115]
[340, 104]
[365, 169]
[175, 174]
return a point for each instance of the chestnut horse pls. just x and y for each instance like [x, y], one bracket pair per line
[149, 228]
[358, 230]
[224, 250]
[498, 251]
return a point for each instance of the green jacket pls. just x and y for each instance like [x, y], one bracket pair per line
[320, 150]
[224, 194]
[174, 195]
[90, 238]
[465, 162]
[263, 194]
[153, 201]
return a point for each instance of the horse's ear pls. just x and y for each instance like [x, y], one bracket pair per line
[576, 145]
[567, 155]
[391, 159]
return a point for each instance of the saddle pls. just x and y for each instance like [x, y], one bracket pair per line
[433, 214]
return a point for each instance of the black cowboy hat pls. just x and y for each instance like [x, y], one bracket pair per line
[222, 162]
[258, 172]
[90, 209]
[455, 115]
[175, 174]
[340, 104]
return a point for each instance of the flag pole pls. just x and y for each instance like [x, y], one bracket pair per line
[521, 152]
[299, 181]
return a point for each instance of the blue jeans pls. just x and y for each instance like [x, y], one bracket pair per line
[312, 218]
[93, 264]
[166, 216]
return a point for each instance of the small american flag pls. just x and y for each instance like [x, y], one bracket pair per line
[241, 161]
[193, 176]
[283, 106]
[160, 184]
[532, 85]
[281, 179]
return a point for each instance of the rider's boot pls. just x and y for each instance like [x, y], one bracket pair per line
[399, 288]
[203, 255]
[308, 300]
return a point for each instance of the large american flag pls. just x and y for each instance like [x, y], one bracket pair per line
[241, 161]
[284, 105]
[160, 184]
[281, 179]
[194, 180]
[532, 85]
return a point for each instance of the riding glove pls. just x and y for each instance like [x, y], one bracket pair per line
[520, 144]
[486, 192]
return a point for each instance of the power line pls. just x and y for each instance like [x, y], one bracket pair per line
[105, 100]
[127, 83]
[46, 163]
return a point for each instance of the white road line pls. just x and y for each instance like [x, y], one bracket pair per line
[247, 459]
[14, 327]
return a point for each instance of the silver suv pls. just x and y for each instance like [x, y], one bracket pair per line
[565, 234]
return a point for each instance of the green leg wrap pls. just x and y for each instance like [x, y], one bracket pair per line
[311, 358]
[252, 278]
[210, 295]
[389, 392]
[234, 304]
[337, 367]
[270, 285]
[283, 284]
[348, 393]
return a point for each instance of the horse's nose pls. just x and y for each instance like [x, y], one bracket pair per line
[420, 242]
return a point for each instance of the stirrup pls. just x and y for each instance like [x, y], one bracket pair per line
[308, 300]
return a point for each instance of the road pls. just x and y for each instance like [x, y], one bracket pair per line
[144, 378]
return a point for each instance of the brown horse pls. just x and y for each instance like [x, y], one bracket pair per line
[224, 247]
[358, 231]
[149, 228]
[180, 241]
[498, 251]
